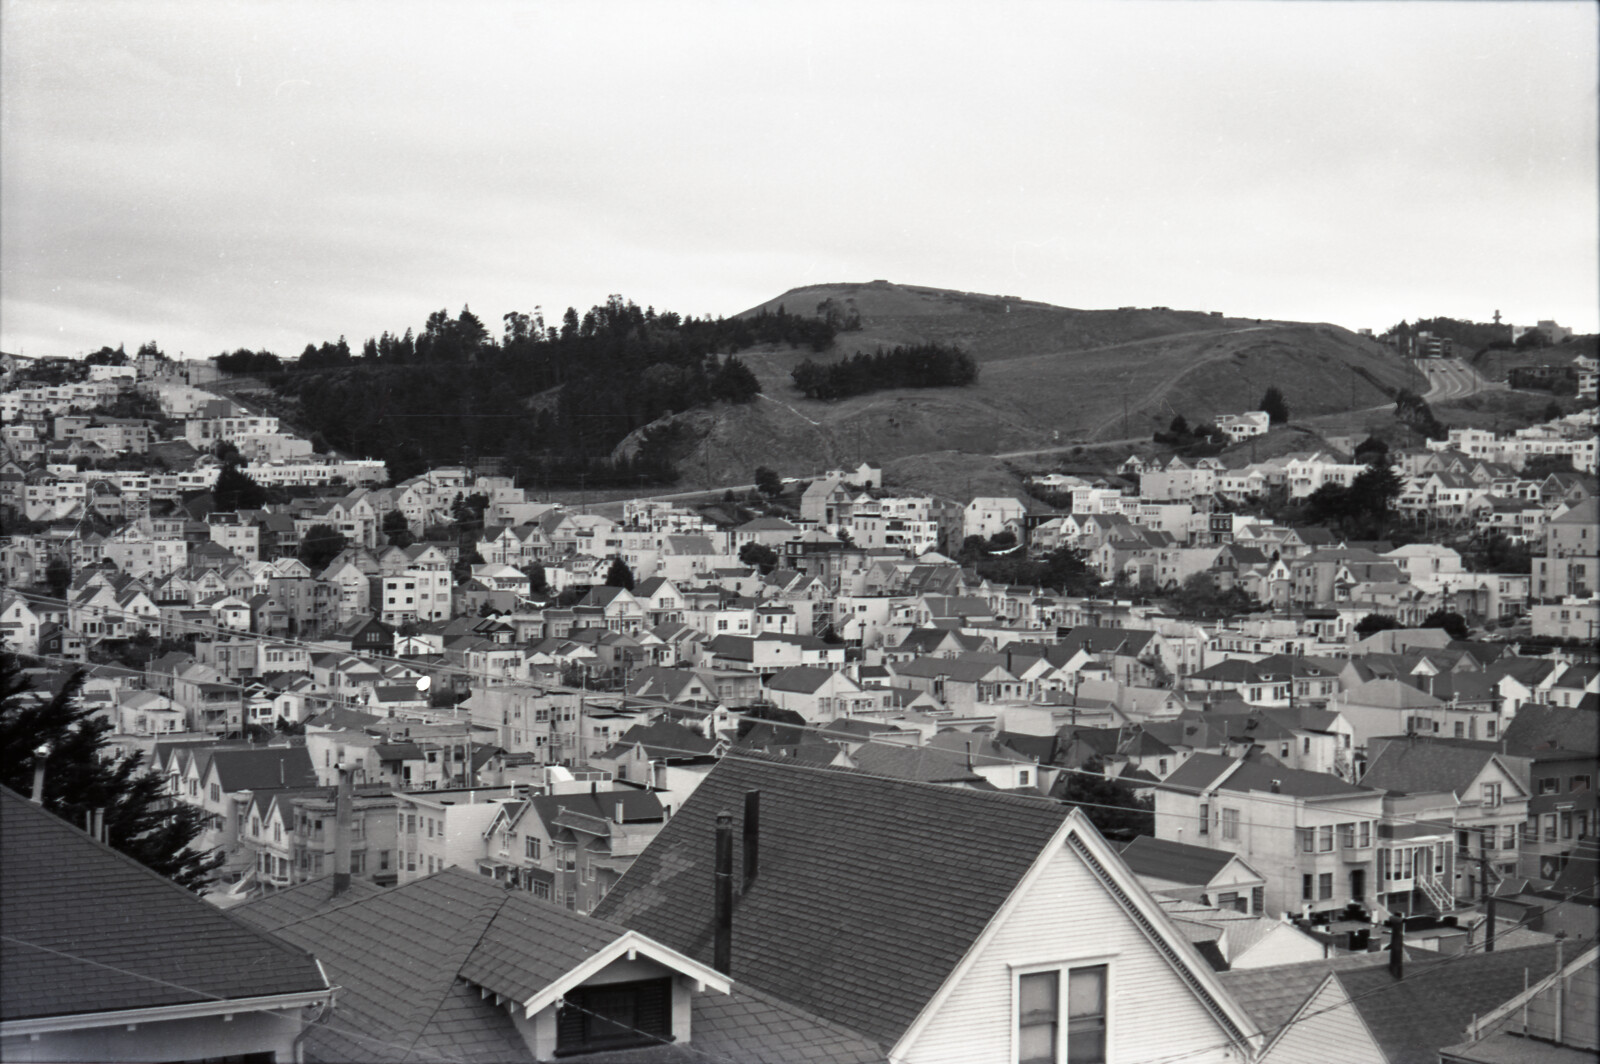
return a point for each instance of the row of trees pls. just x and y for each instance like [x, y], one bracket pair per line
[903, 366]
[553, 401]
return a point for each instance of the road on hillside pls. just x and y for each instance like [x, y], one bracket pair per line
[1448, 379]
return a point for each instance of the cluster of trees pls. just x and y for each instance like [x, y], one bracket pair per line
[1365, 508]
[84, 772]
[1000, 559]
[1453, 624]
[1182, 435]
[902, 366]
[1414, 410]
[244, 361]
[554, 401]
[1199, 597]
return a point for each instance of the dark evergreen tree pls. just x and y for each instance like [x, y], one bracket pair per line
[83, 772]
[768, 482]
[58, 576]
[321, 544]
[759, 555]
[619, 575]
[235, 490]
[1375, 622]
[1275, 406]
[1090, 789]
[1453, 623]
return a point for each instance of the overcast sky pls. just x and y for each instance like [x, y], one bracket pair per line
[215, 175]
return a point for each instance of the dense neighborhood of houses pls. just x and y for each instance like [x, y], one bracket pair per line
[800, 787]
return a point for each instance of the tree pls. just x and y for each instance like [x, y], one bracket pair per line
[322, 544]
[397, 530]
[1375, 622]
[734, 383]
[768, 482]
[1179, 426]
[1091, 790]
[1453, 623]
[235, 490]
[1275, 406]
[1552, 411]
[619, 575]
[58, 574]
[84, 772]
[1369, 447]
[759, 555]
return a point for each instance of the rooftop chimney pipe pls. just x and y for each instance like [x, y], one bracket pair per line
[722, 882]
[618, 810]
[41, 757]
[341, 833]
[752, 836]
[1397, 946]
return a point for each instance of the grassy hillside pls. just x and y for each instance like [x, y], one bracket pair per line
[1497, 364]
[1048, 376]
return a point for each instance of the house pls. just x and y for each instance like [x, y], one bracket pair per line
[99, 959]
[481, 973]
[820, 695]
[1314, 836]
[1196, 873]
[968, 884]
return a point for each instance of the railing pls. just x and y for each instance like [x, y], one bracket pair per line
[1442, 899]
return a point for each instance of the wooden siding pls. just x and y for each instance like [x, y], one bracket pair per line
[1068, 915]
[1329, 1028]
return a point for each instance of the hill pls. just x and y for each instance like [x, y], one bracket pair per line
[1048, 376]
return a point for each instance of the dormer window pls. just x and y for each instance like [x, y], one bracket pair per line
[615, 1015]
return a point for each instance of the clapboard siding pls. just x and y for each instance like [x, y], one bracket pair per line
[1328, 1029]
[1068, 915]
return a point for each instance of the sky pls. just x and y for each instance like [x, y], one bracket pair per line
[216, 175]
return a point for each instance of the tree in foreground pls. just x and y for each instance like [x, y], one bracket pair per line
[1275, 405]
[759, 555]
[1110, 804]
[322, 544]
[619, 575]
[1453, 623]
[768, 482]
[84, 773]
[1375, 622]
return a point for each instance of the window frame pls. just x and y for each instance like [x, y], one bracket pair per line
[1064, 968]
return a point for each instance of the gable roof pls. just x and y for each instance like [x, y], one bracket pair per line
[1257, 772]
[264, 767]
[416, 996]
[1412, 1019]
[1175, 861]
[1412, 766]
[855, 923]
[89, 930]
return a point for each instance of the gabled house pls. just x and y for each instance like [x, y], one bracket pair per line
[969, 884]
[87, 930]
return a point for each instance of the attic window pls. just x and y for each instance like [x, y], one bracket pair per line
[614, 1016]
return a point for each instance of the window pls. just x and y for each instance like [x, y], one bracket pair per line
[1308, 841]
[1347, 836]
[1230, 823]
[1306, 887]
[1509, 841]
[1325, 838]
[1550, 827]
[1566, 825]
[1325, 886]
[1491, 795]
[1205, 818]
[530, 848]
[1366, 833]
[615, 1015]
[1549, 785]
[1022, 778]
[1258, 900]
[1039, 1028]
[383, 860]
[1578, 783]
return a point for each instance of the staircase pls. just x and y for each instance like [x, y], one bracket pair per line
[1441, 898]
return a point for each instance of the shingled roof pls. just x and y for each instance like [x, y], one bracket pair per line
[860, 923]
[1174, 861]
[414, 996]
[88, 930]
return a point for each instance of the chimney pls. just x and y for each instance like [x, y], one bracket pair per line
[1397, 944]
[41, 757]
[99, 831]
[341, 833]
[752, 837]
[618, 809]
[722, 881]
